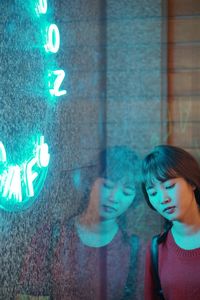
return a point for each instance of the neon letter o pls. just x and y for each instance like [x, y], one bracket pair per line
[53, 39]
[42, 6]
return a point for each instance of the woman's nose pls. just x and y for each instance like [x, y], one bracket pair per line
[114, 196]
[165, 198]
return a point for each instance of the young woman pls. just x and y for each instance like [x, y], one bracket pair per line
[91, 256]
[171, 184]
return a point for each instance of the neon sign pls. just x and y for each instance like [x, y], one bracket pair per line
[21, 184]
[53, 39]
[52, 45]
[41, 8]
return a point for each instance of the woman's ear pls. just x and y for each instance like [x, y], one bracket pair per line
[194, 187]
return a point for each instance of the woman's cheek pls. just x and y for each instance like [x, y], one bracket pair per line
[104, 194]
[155, 204]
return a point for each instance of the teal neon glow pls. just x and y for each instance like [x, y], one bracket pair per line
[55, 84]
[13, 184]
[52, 44]
[42, 153]
[2, 153]
[21, 184]
[30, 176]
[53, 39]
[41, 7]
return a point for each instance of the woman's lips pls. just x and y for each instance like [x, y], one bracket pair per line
[169, 210]
[109, 208]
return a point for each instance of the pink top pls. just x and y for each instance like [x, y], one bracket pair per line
[179, 272]
[77, 272]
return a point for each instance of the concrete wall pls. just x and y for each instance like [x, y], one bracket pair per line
[114, 57]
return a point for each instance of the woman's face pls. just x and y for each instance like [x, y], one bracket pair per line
[114, 198]
[172, 198]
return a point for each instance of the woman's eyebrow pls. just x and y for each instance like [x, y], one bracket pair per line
[149, 187]
[128, 186]
[129, 183]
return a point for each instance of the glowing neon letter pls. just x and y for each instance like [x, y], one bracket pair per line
[30, 176]
[13, 184]
[42, 7]
[53, 39]
[42, 153]
[2, 153]
[57, 83]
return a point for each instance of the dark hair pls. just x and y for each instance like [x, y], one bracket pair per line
[114, 163]
[117, 162]
[166, 162]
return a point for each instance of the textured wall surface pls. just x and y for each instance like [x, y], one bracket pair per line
[135, 56]
[113, 55]
[183, 86]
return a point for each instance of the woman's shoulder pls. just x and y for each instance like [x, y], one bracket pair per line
[134, 240]
[157, 241]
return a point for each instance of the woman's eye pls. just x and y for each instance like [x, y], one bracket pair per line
[108, 184]
[128, 191]
[152, 194]
[170, 186]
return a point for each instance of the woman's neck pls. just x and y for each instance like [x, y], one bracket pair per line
[186, 236]
[186, 232]
[99, 227]
[190, 223]
[98, 234]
